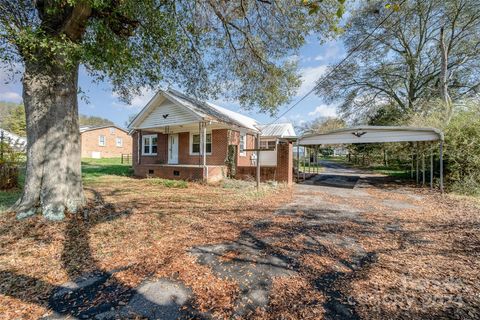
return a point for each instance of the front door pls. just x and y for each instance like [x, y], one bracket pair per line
[173, 148]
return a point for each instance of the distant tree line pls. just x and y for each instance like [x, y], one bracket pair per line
[421, 68]
[12, 118]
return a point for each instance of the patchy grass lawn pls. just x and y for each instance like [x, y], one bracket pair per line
[8, 197]
[92, 170]
[421, 264]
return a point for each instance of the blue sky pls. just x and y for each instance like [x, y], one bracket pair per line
[98, 99]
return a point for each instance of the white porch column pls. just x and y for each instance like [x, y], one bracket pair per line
[203, 144]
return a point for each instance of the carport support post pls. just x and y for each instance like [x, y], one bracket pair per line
[431, 168]
[416, 160]
[423, 165]
[304, 153]
[412, 163]
[441, 166]
[298, 162]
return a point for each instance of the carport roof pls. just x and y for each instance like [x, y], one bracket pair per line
[373, 134]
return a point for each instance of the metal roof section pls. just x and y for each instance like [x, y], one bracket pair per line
[207, 110]
[373, 134]
[280, 130]
[90, 128]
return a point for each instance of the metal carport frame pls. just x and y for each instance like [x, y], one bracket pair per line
[376, 134]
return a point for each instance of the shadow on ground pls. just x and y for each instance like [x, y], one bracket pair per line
[98, 294]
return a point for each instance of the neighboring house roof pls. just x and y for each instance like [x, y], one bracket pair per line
[16, 142]
[90, 128]
[281, 130]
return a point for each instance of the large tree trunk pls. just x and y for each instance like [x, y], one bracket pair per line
[53, 182]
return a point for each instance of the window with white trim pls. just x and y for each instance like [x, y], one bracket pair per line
[243, 144]
[267, 144]
[149, 145]
[119, 142]
[102, 141]
[195, 143]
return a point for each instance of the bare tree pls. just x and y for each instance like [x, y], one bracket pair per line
[407, 60]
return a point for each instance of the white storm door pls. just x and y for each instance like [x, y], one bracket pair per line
[173, 149]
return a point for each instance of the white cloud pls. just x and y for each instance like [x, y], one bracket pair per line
[324, 110]
[332, 51]
[309, 77]
[10, 96]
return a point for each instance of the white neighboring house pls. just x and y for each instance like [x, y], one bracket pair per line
[16, 142]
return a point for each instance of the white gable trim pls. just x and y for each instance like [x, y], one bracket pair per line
[158, 99]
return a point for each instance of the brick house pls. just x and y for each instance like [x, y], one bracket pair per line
[178, 137]
[104, 141]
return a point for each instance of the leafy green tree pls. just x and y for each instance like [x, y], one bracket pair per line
[93, 121]
[426, 50]
[15, 121]
[5, 108]
[323, 125]
[205, 47]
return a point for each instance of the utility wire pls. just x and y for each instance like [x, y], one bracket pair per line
[351, 52]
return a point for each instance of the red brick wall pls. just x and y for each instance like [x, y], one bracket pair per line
[243, 160]
[282, 172]
[110, 150]
[160, 158]
[285, 162]
[215, 173]
[185, 173]
[217, 156]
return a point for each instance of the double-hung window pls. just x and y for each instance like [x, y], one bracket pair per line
[195, 143]
[149, 145]
[119, 142]
[102, 141]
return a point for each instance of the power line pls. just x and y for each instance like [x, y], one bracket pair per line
[336, 66]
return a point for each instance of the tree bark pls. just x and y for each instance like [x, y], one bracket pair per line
[53, 183]
[443, 83]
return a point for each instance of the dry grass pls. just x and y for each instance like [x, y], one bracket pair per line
[147, 228]
[427, 268]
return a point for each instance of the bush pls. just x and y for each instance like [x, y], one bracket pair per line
[9, 171]
[462, 150]
[168, 183]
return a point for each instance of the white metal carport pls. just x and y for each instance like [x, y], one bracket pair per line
[378, 134]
